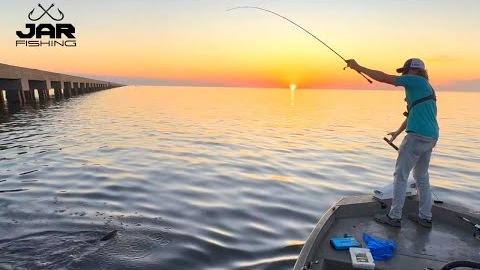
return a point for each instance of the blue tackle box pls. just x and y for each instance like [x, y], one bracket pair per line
[344, 243]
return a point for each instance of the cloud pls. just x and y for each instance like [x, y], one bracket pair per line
[442, 59]
[464, 86]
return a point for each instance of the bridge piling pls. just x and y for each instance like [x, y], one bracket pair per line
[57, 88]
[67, 89]
[2, 99]
[75, 89]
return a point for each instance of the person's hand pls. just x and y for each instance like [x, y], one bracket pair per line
[351, 63]
[394, 135]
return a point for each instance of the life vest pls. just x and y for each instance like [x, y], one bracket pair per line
[418, 101]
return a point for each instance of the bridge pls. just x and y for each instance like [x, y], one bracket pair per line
[23, 85]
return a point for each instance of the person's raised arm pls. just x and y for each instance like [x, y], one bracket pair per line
[374, 74]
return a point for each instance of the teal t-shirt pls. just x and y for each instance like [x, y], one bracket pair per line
[422, 118]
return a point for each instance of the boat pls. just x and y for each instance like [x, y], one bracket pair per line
[453, 240]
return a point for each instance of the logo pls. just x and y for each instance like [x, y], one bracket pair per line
[46, 34]
[46, 12]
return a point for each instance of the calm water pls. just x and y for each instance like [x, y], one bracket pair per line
[205, 178]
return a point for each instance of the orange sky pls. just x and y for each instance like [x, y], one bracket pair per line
[198, 42]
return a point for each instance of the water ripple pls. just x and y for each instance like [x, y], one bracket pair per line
[203, 178]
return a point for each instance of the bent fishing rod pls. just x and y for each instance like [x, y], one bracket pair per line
[252, 7]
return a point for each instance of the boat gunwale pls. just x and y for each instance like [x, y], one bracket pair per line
[319, 229]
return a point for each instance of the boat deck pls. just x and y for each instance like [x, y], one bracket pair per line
[416, 246]
[450, 238]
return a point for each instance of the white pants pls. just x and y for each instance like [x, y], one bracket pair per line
[414, 153]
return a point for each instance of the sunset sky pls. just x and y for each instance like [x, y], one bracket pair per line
[187, 42]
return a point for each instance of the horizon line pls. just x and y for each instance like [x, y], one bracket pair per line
[142, 81]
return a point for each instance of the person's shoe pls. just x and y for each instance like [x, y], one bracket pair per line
[422, 221]
[386, 219]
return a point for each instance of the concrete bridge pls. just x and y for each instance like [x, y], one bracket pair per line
[20, 85]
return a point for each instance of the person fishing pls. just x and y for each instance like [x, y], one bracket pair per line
[421, 126]
[422, 134]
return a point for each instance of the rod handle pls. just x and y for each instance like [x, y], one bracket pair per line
[363, 75]
[390, 143]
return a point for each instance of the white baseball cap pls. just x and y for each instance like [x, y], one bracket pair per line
[411, 63]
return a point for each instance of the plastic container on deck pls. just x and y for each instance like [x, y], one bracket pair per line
[362, 258]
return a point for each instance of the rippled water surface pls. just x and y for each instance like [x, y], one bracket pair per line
[204, 178]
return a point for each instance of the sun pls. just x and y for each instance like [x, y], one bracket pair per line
[292, 86]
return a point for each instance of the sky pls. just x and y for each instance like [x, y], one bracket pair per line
[197, 42]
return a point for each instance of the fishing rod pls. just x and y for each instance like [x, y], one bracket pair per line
[390, 143]
[252, 7]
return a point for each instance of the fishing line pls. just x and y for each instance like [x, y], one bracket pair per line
[431, 189]
[370, 81]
